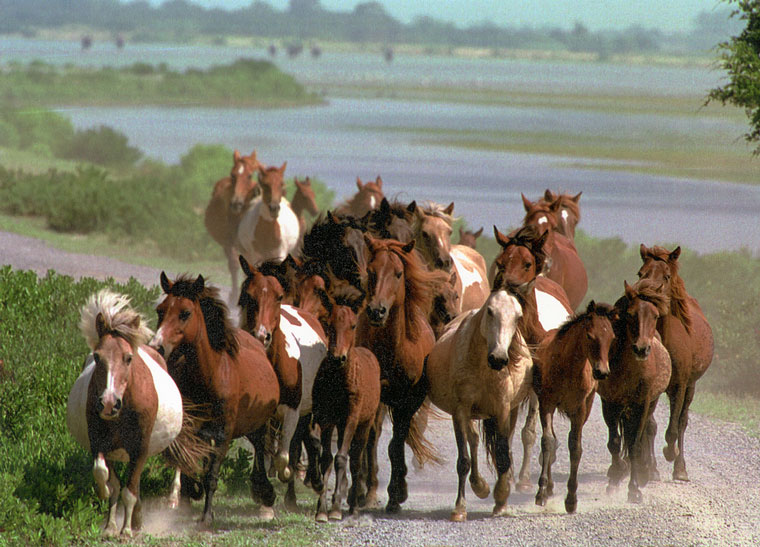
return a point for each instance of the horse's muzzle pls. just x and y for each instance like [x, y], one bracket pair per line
[443, 264]
[641, 353]
[377, 315]
[108, 413]
[274, 209]
[497, 363]
[236, 206]
[599, 374]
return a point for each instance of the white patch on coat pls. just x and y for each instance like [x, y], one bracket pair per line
[169, 415]
[76, 407]
[303, 343]
[469, 277]
[257, 252]
[551, 313]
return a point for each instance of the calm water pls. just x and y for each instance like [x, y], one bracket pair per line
[350, 137]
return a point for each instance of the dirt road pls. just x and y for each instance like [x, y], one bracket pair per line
[719, 506]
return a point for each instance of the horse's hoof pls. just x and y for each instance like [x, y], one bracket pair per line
[110, 531]
[291, 506]
[335, 515]
[321, 517]
[369, 502]
[127, 532]
[680, 475]
[654, 475]
[571, 504]
[541, 499]
[480, 488]
[499, 510]
[524, 486]
[458, 516]
[670, 452]
[173, 503]
[611, 488]
[393, 507]
[266, 513]
[635, 496]
[285, 474]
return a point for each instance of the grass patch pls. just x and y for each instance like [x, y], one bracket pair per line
[744, 410]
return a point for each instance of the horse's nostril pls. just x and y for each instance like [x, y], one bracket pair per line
[117, 406]
[100, 406]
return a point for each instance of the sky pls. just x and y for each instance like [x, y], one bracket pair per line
[667, 15]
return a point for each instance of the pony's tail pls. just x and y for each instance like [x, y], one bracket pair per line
[189, 452]
[489, 435]
[424, 451]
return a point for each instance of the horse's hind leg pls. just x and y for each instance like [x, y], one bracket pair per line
[528, 435]
[477, 482]
[368, 499]
[548, 455]
[461, 423]
[261, 489]
[676, 398]
[652, 474]
[502, 458]
[679, 467]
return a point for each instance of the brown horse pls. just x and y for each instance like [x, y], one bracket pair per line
[366, 199]
[567, 366]
[296, 345]
[688, 338]
[393, 326]
[124, 406]
[229, 199]
[303, 201]
[564, 265]
[347, 395]
[225, 368]
[481, 369]
[639, 373]
[469, 238]
[567, 211]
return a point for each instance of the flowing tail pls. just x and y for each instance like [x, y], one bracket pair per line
[189, 452]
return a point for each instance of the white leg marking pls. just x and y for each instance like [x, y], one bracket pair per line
[100, 472]
[174, 494]
[130, 500]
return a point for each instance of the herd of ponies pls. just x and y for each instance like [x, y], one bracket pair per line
[372, 311]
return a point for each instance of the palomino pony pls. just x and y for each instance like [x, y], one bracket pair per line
[469, 238]
[296, 345]
[367, 198]
[394, 328]
[124, 406]
[567, 366]
[346, 395]
[432, 228]
[224, 368]
[269, 229]
[567, 211]
[689, 341]
[481, 369]
[564, 265]
[229, 199]
[639, 373]
[303, 201]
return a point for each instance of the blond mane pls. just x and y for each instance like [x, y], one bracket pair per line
[118, 317]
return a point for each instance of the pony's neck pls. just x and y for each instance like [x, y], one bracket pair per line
[268, 231]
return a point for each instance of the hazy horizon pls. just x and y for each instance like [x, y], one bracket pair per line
[675, 15]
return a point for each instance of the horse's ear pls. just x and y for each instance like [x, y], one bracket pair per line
[236, 156]
[379, 182]
[385, 207]
[673, 256]
[247, 270]
[307, 182]
[253, 156]
[501, 239]
[332, 218]
[527, 204]
[450, 209]
[199, 284]
[282, 167]
[549, 196]
[555, 206]
[359, 183]
[643, 251]
[453, 277]
[100, 325]
[591, 307]
[576, 198]
[166, 285]
[478, 233]
[408, 247]
[628, 289]
[412, 207]
[538, 244]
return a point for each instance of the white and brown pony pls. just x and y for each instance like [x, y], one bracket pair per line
[481, 369]
[124, 406]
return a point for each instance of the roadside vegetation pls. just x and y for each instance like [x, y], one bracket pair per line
[245, 82]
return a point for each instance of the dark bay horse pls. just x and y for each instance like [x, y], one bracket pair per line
[639, 373]
[347, 396]
[124, 406]
[304, 201]
[481, 369]
[393, 326]
[566, 209]
[229, 199]
[368, 197]
[566, 368]
[224, 368]
[564, 265]
[689, 340]
[469, 238]
[296, 345]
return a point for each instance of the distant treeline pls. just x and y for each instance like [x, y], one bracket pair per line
[181, 20]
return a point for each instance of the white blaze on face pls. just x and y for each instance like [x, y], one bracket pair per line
[542, 220]
[261, 333]
[565, 216]
[241, 170]
[499, 323]
[372, 202]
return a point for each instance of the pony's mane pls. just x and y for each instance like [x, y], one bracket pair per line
[118, 316]
[346, 294]
[679, 298]
[648, 290]
[601, 309]
[437, 210]
[219, 328]
[528, 236]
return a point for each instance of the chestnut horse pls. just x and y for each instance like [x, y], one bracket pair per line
[229, 199]
[564, 265]
[567, 211]
[394, 328]
[296, 345]
[469, 238]
[432, 226]
[481, 369]
[367, 198]
[639, 373]
[303, 200]
[124, 406]
[688, 338]
[567, 366]
[224, 368]
[269, 229]
[346, 395]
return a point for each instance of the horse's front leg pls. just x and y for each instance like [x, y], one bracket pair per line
[461, 422]
[107, 484]
[261, 489]
[290, 417]
[528, 435]
[325, 464]
[174, 492]
[477, 482]
[130, 495]
[679, 467]
[397, 488]
[341, 461]
[676, 399]
[575, 447]
[368, 499]
[499, 431]
[634, 429]
[618, 468]
[548, 455]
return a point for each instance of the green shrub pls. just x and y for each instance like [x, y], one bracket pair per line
[101, 146]
[9, 137]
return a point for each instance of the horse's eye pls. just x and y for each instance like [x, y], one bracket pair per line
[128, 358]
[353, 327]
[398, 275]
[639, 274]
[667, 277]
[160, 314]
[527, 265]
[184, 315]
[279, 298]
[588, 336]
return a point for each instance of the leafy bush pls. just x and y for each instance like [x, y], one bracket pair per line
[101, 146]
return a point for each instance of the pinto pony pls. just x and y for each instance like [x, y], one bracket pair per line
[346, 396]
[481, 369]
[229, 199]
[689, 340]
[124, 406]
[223, 368]
[567, 366]
[304, 200]
[639, 373]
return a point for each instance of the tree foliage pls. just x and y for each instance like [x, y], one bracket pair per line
[740, 57]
